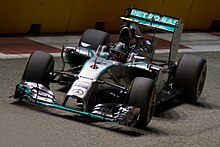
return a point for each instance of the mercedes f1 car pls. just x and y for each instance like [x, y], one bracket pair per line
[121, 81]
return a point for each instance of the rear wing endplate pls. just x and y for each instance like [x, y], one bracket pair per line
[159, 22]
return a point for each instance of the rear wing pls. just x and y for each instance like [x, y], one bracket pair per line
[158, 22]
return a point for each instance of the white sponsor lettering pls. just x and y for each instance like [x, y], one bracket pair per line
[139, 14]
[133, 12]
[164, 19]
[150, 16]
[170, 21]
[155, 17]
[175, 22]
[82, 84]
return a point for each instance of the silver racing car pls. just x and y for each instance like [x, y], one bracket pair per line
[117, 81]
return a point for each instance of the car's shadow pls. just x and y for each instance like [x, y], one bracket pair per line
[206, 105]
[114, 127]
[163, 110]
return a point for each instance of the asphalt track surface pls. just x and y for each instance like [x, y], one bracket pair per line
[175, 124]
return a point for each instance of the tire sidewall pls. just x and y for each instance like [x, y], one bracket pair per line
[143, 95]
[188, 72]
[38, 67]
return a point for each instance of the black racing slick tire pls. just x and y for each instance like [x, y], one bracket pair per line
[38, 68]
[94, 38]
[190, 77]
[143, 95]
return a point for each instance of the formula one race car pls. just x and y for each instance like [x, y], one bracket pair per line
[120, 81]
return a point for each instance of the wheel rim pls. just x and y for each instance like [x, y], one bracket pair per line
[201, 81]
[151, 107]
[48, 72]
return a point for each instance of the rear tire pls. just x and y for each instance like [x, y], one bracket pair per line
[94, 38]
[143, 95]
[190, 77]
[38, 68]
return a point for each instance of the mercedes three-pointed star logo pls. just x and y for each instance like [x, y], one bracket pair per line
[77, 92]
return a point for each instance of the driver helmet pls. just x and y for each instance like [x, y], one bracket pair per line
[119, 52]
[125, 34]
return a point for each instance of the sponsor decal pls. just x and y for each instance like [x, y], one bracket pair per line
[86, 78]
[156, 17]
[141, 14]
[82, 84]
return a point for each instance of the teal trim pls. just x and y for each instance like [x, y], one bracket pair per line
[73, 110]
[28, 99]
[99, 58]
[107, 67]
[26, 90]
[91, 52]
[85, 63]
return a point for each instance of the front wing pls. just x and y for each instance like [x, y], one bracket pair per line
[40, 95]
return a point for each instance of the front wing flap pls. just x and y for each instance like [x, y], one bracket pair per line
[121, 113]
[34, 91]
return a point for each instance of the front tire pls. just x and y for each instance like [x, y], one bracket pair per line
[38, 68]
[143, 96]
[190, 77]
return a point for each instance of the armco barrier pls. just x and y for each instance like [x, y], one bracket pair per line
[48, 16]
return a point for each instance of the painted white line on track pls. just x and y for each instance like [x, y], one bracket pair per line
[188, 50]
[22, 56]
[17, 56]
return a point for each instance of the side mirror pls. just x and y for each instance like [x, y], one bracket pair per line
[86, 45]
[139, 37]
[147, 43]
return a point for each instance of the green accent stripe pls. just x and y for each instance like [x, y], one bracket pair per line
[72, 110]
[107, 67]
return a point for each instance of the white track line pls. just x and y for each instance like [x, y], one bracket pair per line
[18, 56]
[21, 56]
